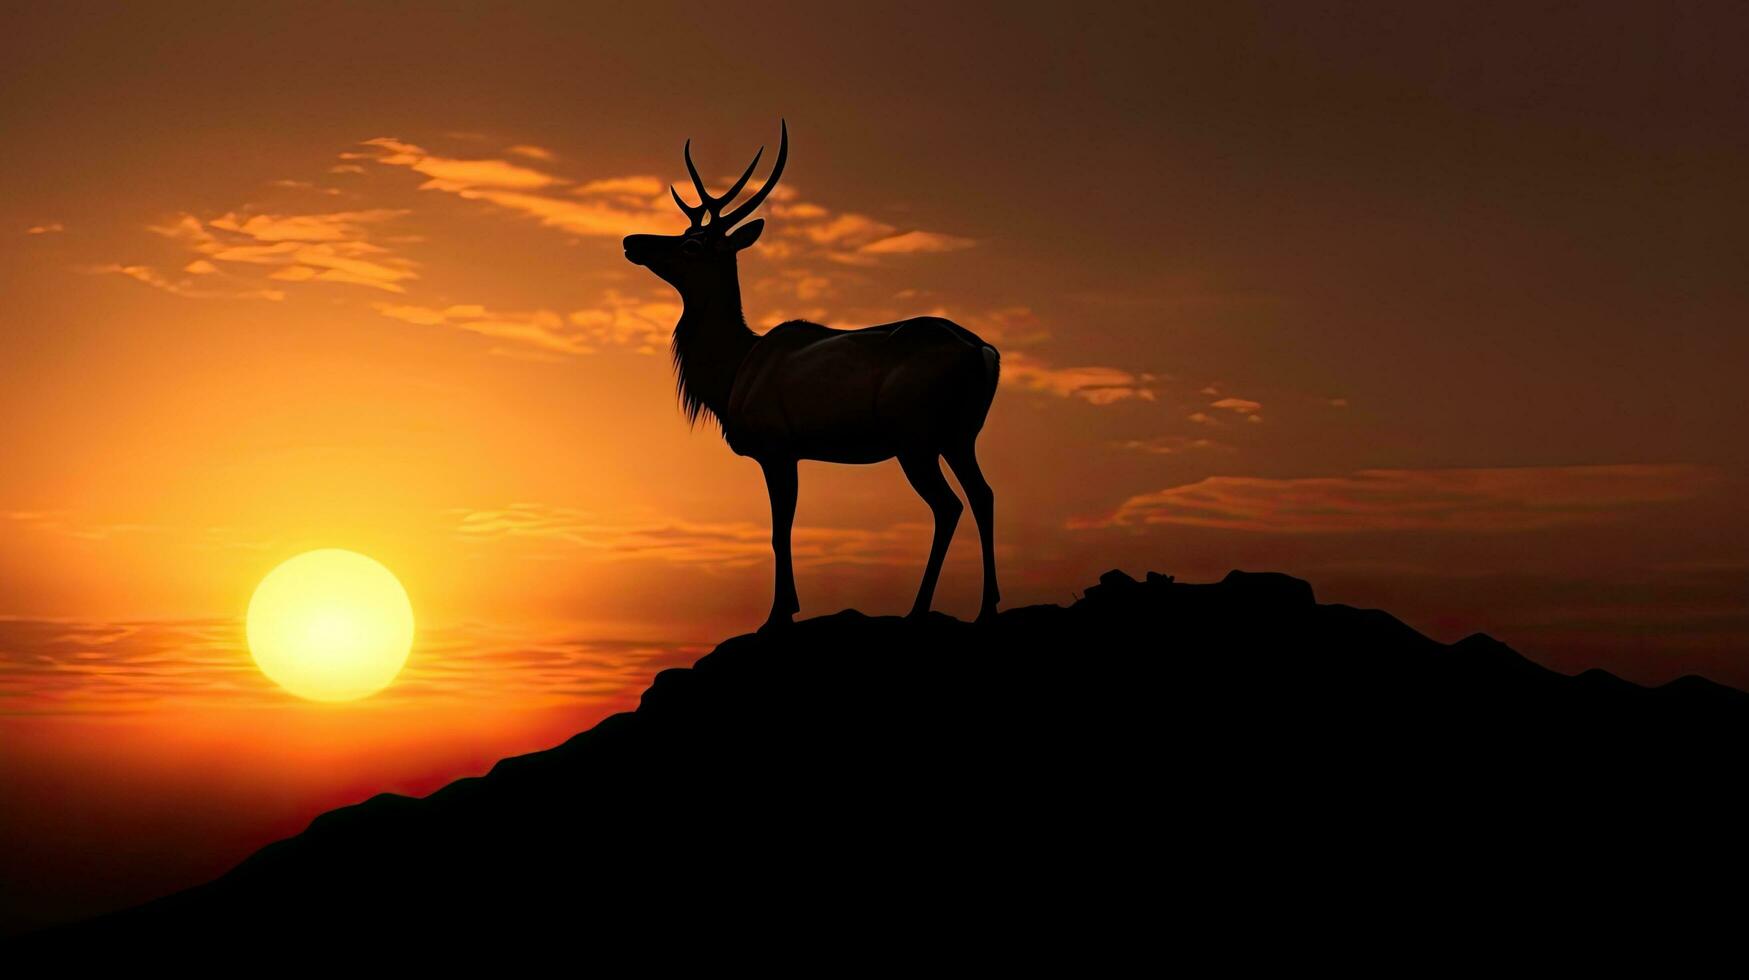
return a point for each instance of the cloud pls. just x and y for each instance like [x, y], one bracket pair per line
[616, 206]
[73, 525]
[731, 544]
[330, 247]
[801, 210]
[532, 152]
[339, 226]
[629, 321]
[451, 173]
[1168, 445]
[850, 238]
[609, 208]
[45, 229]
[849, 229]
[917, 241]
[1463, 500]
[608, 219]
[1243, 406]
[182, 287]
[1008, 325]
[636, 186]
[1096, 385]
[113, 668]
[540, 330]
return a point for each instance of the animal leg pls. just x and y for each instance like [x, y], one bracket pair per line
[964, 462]
[780, 483]
[924, 472]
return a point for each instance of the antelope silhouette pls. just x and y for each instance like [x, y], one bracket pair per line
[917, 389]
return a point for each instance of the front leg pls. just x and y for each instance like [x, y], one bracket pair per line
[780, 483]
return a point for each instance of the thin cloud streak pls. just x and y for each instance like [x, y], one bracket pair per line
[71, 667]
[1462, 500]
[1095, 385]
[542, 330]
[732, 544]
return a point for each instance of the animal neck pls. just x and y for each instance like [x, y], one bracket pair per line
[709, 343]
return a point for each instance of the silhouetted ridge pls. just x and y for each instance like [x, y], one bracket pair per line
[1059, 782]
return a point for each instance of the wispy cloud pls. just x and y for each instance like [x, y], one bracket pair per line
[1008, 326]
[1168, 445]
[598, 208]
[542, 330]
[45, 229]
[93, 667]
[261, 252]
[855, 239]
[728, 544]
[640, 323]
[1096, 385]
[331, 247]
[1245, 407]
[84, 528]
[185, 287]
[638, 187]
[451, 173]
[848, 229]
[917, 241]
[1467, 500]
[643, 324]
[337, 226]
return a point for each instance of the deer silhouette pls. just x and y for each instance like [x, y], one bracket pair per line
[916, 389]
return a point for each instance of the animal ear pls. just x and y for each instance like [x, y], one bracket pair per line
[746, 235]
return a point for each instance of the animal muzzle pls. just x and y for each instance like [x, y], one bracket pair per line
[638, 249]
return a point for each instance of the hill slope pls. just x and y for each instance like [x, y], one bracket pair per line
[1064, 780]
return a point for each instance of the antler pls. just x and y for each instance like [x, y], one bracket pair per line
[714, 205]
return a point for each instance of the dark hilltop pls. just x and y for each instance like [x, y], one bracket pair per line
[1158, 764]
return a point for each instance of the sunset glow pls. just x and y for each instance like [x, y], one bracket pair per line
[330, 625]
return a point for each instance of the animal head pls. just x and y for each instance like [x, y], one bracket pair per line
[707, 249]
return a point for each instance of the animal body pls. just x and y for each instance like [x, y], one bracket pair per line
[917, 389]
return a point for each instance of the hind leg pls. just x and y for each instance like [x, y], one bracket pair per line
[924, 472]
[964, 462]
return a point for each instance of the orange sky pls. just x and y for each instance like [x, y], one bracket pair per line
[1440, 311]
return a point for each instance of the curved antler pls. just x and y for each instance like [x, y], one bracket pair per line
[692, 213]
[759, 196]
[714, 205]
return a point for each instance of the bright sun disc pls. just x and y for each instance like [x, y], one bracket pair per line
[330, 625]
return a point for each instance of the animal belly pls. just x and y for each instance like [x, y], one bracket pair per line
[858, 440]
[830, 415]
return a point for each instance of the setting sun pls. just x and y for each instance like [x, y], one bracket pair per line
[330, 625]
